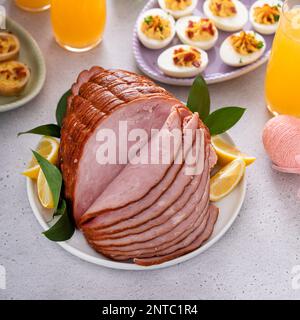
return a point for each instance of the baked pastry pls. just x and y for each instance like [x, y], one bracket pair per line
[9, 46]
[14, 76]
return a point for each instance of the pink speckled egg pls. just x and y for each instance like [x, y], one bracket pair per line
[281, 138]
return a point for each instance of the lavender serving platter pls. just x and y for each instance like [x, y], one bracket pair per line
[216, 70]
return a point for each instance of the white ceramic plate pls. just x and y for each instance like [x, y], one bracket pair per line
[31, 55]
[77, 245]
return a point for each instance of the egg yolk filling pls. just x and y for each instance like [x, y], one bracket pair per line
[156, 27]
[222, 8]
[177, 5]
[266, 14]
[187, 57]
[201, 30]
[7, 44]
[11, 73]
[245, 43]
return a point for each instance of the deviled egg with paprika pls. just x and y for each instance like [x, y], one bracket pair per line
[228, 15]
[182, 61]
[178, 8]
[242, 48]
[156, 29]
[264, 15]
[197, 31]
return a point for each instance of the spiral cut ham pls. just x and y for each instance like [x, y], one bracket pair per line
[145, 212]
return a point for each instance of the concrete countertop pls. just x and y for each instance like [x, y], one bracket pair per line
[256, 257]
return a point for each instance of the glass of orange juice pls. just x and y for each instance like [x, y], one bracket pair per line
[282, 78]
[78, 25]
[33, 5]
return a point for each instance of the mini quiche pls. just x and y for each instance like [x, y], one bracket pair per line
[9, 46]
[242, 48]
[14, 76]
[182, 61]
[264, 15]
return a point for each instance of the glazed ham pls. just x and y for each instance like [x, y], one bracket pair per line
[145, 212]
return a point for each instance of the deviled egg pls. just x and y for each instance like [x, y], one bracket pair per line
[178, 8]
[197, 31]
[156, 28]
[264, 15]
[228, 15]
[182, 61]
[242, 48]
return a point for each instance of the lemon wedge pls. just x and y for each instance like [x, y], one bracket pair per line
[44, 192]
[48, 148]
[227, 152]
[224, 181]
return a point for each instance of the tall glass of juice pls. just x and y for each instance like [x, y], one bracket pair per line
[33, 5]
[78, 25]
[282, 78]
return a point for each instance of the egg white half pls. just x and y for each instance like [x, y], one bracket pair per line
[179, 13]
[234, 23]
[264, 28]
[153, 43]
[166, 64]
[181, 26]
[232, 58]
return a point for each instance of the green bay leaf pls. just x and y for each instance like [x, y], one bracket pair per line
[52, 175]
[199, 99]
[62, 230]
[223, 119]
[62, 107]
[51, 130]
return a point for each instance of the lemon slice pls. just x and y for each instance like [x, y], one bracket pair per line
[224, 181]
[48, 148]
[44, 192]
[227, 152]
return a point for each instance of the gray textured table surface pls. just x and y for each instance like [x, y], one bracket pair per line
[253, 260]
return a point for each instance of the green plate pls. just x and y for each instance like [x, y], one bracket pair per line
[31, 55]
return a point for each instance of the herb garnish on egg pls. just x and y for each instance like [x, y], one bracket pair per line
[245, 43]
[155, 28]
[264, 15]
[242, 48]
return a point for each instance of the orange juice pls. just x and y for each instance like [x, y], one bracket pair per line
[78, 25]
[282, 78]
[33, 5]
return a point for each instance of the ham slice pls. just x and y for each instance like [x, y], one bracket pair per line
[214, 212]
